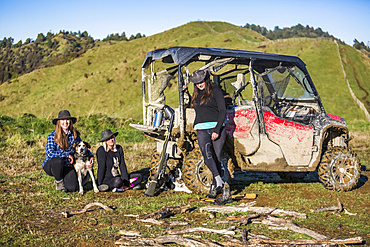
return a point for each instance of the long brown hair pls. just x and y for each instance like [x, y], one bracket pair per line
[61, 138]
[208, 90]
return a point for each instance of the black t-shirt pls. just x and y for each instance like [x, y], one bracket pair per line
[106, 163]
[213, 110]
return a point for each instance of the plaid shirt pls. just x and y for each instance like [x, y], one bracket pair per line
[53, 150]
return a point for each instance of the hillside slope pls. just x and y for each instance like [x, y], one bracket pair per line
[107, 78]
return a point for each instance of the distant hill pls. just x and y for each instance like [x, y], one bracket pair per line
[47, 51]
[107, 78]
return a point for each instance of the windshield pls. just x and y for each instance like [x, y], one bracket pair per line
[285, 83]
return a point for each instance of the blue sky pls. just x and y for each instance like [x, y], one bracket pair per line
[22, 19]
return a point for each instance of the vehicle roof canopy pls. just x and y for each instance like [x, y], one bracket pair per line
[182, 55]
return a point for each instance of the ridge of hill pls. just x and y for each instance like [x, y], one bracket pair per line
[45, 51]
[107, 78]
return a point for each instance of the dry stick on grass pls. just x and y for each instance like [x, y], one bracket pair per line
[71, 212]
[249, 207]
[250, 238]
[163, 222]
[280, 223]
[336, 209]
[165, 212]
[243, 219]
[201, 229]
[184, 241]
[136, 240]
[334, 242]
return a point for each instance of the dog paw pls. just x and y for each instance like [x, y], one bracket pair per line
[96, 190]
[81, 193]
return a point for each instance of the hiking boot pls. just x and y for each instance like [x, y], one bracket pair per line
[225, 197]
[103, 187]
[60, 186]
[214, 192]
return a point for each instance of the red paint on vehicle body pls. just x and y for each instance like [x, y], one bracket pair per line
[281, 129]
[239, 123]
[334, 117]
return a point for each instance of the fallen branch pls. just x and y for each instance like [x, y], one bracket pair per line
[71, 212]
[129, 233]
[201, 229]
[249, 207]
[163, 222]
[289, 225]
[165, 212]
[357, 240]
[184, 241]
[336, 209]
[242, 219]
[166, 239]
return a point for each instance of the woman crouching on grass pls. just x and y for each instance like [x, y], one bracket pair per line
[59, 153]
[112, 170]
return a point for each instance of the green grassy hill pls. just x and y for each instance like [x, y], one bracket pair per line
[107, 78]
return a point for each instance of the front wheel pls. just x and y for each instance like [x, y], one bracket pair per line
[339, 169]
[196, 175]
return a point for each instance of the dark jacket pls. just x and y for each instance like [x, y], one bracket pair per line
[213, 110]
[105, 164]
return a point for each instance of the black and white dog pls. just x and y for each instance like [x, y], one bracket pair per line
[82, 160]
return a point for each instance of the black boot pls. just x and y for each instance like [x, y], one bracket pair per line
[226, 196]
[214, 191]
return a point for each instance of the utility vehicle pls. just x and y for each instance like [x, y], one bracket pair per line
[275, 120]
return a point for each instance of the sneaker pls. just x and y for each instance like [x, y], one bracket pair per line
[60, 186]
[123, 188]
[103, 187]
[137, 187]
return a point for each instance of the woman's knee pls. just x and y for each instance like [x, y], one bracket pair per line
[54, 167]
[116, 182]
[70, 179]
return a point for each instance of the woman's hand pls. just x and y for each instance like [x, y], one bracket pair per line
[214, 136]
[91, 162]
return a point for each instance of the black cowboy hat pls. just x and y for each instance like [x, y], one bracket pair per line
[107, 134]
[64, 114]
[198, 76]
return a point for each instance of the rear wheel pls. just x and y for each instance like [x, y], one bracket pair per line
[339, 169]
[196, 175]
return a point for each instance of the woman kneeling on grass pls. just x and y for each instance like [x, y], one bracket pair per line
[59, 153]
[112, 170]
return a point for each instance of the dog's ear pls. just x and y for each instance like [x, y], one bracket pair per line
[74, 145]
[87, 144]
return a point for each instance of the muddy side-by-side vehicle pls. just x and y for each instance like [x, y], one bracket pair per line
[275, 119]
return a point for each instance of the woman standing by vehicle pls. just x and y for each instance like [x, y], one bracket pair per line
[112, 170]
[59, 153]
[209, 105]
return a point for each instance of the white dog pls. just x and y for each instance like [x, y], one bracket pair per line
[82, 160]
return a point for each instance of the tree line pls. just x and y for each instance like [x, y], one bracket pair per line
[47, 50]
[361, 45]
[299, 31]
[122, 37]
